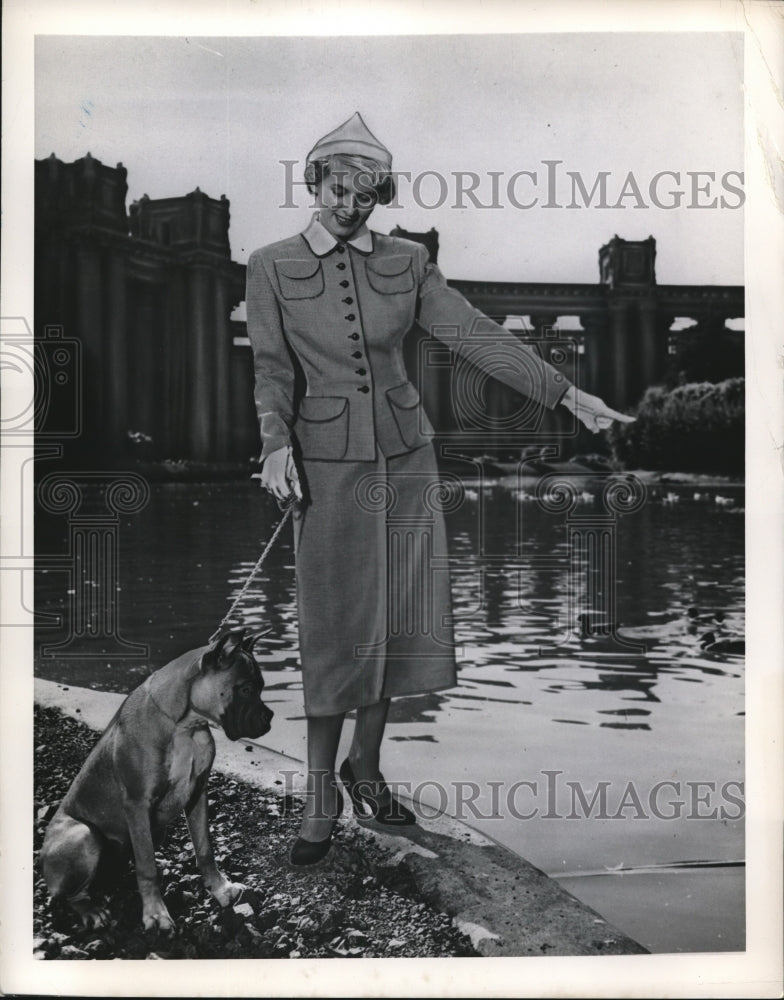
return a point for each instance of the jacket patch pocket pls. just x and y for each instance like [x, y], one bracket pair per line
[322, 427]
[415, 429]
[390, 275]
[300, 279]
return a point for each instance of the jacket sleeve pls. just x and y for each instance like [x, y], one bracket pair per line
[446, 315]
[272, 365]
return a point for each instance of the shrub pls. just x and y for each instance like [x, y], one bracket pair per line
[698, 427]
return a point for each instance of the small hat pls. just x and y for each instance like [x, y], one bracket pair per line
[352, 137]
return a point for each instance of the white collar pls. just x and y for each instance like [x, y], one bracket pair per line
[321, 241]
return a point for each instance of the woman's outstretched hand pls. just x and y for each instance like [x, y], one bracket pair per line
[279, 475]
[592, 411]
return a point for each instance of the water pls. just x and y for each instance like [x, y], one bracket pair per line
[542, 720]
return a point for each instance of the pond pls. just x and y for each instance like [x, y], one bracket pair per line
[612, 760]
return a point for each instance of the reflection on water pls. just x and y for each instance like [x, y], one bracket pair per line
[643, 701]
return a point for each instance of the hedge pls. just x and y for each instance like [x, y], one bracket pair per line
[697, 427]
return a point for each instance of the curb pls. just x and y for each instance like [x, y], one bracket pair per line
[504, 904]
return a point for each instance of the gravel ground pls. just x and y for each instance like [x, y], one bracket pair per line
[358, 905]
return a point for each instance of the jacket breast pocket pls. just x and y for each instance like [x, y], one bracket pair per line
[415, 429]
[300, 279]
[322, 427]
[390, 275]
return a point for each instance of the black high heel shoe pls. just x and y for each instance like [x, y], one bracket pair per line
[305, 853]
[391, 813]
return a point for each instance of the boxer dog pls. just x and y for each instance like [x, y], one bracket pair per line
[152, 762]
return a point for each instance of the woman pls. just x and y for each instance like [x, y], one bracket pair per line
[374, 608]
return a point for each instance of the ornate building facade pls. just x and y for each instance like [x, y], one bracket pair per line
[149, 294]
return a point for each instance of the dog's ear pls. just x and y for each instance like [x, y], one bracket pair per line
[219, 653]
[226, 648]
[250, 641]
[233, 642]
[209, 660]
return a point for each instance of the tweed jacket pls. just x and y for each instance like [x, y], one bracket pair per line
[344, 313]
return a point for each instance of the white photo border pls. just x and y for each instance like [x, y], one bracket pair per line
[754, 973]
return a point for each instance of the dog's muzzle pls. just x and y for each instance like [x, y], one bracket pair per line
[248, 720]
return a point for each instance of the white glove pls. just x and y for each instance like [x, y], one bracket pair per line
[279, 474]
[592, 411]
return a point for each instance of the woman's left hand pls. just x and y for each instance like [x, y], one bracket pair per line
[592, 411]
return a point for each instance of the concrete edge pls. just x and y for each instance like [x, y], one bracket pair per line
[503, 903]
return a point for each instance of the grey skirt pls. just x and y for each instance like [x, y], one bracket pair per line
[372, 572]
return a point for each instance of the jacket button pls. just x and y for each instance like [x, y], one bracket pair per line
[344, 283]
[362, 388]
[357, 354]
[341, 248]
[353, 336]
[341, 266]
[361, 371]
[351, 317]
[348, 300]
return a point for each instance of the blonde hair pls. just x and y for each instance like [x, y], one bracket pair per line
[375, 176]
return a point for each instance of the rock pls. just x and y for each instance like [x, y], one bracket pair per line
[254, 898]
[330, 920]
[244, 910]
[71, 951]
[268, 919]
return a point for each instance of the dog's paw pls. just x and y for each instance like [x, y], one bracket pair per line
[227, 892]
[156, 917]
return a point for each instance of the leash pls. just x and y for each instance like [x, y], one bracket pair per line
[286, 506]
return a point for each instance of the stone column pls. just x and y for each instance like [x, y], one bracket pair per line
[651, 351]
[116, 359]
[178, 379]
[593, 361]
[540, 322]
[200, 364]
[144, 400]
[222, 374]
[89, 329]
[617, 358]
